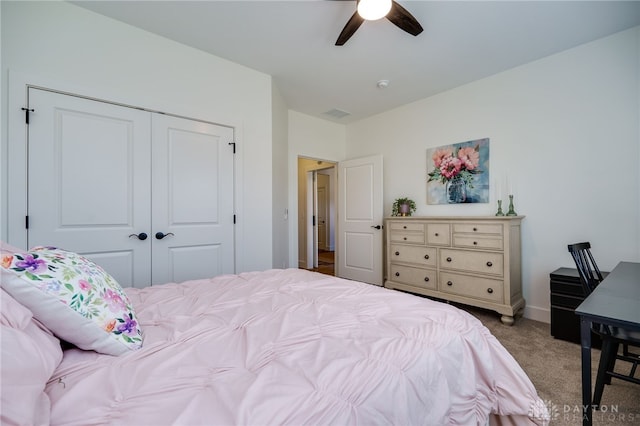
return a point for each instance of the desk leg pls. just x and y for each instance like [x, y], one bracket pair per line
[585, 340]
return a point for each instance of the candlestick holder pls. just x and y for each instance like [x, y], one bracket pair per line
[511, 211]
[499, 212]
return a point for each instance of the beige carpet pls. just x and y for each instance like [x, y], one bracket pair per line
[554, 368]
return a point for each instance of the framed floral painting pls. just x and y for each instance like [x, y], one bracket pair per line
[458, 173]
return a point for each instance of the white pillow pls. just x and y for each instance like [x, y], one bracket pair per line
[74, 298]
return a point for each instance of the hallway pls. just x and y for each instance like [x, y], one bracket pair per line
[326, 262]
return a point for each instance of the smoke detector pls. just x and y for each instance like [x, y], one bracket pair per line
[382, 84]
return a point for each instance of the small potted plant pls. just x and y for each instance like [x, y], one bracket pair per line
[403, 207]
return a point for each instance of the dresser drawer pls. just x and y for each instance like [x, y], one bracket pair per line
[425, 256]
[472, 261]
[477, 228]
[406, 226]
[407, 237]
[477, 241]
[439, 234]
[418, 277]
[474, 287]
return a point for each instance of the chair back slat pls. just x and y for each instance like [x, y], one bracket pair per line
[590, 275]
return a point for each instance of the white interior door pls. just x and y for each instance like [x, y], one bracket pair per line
[192, 200]
[323, 211]
[311, 228]
[89, 185]
[360, 219]
[92, 189]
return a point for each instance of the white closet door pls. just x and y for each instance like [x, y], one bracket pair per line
[89, 182]
[192, 200]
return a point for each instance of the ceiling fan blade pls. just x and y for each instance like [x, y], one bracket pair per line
[403, 19]
[352, 25]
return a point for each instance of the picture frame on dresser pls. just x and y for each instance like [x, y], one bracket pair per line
[473, 260]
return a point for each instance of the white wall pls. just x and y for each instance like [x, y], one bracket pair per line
[311, 138]
[66, 47]
[565, 129]
[279, 182]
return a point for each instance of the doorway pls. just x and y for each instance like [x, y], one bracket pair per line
[317, 215]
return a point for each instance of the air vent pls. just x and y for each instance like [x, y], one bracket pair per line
[337, 113]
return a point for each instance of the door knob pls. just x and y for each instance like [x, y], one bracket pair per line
[377, 227]
[160, 235]
[141, 236]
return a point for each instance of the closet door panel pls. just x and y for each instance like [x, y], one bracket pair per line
[183, 261]
[192, 199]
[89, 182]
[193, 177]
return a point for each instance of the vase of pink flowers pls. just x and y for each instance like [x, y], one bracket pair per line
[456, 190]
[455, 170]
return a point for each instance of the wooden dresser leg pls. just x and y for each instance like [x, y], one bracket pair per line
[507, 320]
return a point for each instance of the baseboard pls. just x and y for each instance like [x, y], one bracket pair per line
[537, 314]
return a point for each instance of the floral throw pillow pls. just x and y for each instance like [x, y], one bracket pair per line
[74, 298]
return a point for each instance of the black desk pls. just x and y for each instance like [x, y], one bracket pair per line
[616, 302]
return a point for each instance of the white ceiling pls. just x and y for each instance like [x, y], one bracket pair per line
[293, 41]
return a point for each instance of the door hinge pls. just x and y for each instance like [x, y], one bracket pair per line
[26, 222]
[234, 146]
[26, 114]
[234, 219]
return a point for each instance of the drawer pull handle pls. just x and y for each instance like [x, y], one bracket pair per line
[475, 229]
[449, 283]
[397, 274]
[397, 253]
[426, 279]
[405, 238]
[449, 259]
[426, 256]
[436, 234]
[489, 264]
[489, 290]
[475, 243]
[404, 227]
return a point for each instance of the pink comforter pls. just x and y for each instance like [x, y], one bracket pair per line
[292, 347]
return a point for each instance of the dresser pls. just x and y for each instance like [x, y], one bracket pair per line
[470, 260]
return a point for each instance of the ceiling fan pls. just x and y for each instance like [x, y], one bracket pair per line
[370, 10]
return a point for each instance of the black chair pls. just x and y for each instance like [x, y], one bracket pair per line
[612, 337]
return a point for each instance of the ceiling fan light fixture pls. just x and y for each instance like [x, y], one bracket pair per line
[372, 10]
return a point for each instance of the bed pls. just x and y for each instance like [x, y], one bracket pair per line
[275, 347]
